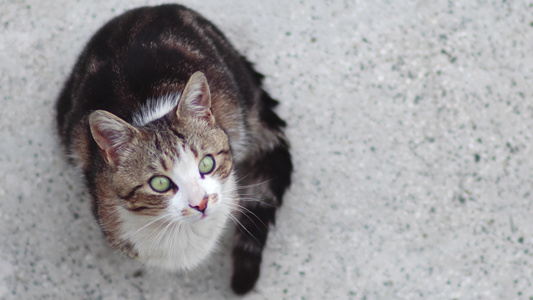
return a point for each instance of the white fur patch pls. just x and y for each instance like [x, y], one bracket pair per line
[174, 240]
[155, 109]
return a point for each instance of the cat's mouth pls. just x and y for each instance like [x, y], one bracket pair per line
[197, 218]
[203, 215]
[194, 217]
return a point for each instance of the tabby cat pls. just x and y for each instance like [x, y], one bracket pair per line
[175, 136]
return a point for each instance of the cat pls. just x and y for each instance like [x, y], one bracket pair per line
[175, 136]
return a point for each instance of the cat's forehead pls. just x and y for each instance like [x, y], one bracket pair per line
[165, 138]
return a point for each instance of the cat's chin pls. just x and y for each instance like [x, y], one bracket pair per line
[196, 241]
[174, 246]
[198, 218]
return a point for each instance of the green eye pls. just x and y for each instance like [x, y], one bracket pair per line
[207, 164]
[160, 184]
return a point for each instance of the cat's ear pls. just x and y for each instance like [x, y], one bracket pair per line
[112, 134]
[196, 98]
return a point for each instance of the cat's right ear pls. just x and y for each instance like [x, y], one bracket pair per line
[196, 99]
[112, 134]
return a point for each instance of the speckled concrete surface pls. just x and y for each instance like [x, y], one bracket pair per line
[411, 124]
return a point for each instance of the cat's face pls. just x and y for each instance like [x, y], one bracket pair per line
[160, 173]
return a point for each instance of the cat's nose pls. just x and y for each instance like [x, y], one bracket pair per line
[202, 206]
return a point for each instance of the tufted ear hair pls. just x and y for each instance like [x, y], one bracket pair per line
[112, 134]
[196, 99]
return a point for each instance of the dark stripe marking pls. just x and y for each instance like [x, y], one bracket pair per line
[174, 131]
[140, 208]
[163, 164]
[157, 144]
[194, 151]
[131, 193]
[225, 151]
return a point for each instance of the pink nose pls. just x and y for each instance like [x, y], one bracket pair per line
[202, 206]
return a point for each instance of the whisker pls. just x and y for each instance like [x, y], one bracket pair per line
[257, 200]
[249, 199]
[148, 224]
[245, 212]
[248, 195]
[160, 235]
[173, 234]
[241, 227]
[239, 187]
[240, 179]
[242, 151]
[152, 233]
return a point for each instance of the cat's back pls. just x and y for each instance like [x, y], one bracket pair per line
[149, 53]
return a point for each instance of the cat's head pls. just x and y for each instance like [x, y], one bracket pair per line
[177, 167]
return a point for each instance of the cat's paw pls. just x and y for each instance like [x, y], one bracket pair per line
[245, 274]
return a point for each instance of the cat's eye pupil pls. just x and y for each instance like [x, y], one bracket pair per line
[207, 164]
[160, 184]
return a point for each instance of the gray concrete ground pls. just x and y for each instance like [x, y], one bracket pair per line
[411, 126]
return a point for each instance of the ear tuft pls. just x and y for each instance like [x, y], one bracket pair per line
[196, 98]
[112, 134]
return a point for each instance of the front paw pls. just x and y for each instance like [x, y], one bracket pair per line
[245, 272]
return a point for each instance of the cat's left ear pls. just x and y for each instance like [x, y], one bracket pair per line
[112, 134]
[196, 99]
